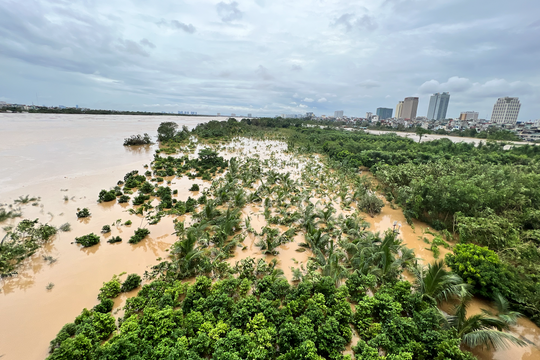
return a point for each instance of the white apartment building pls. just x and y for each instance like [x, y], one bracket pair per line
[506, 110]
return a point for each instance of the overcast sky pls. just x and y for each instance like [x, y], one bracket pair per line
[269, 57]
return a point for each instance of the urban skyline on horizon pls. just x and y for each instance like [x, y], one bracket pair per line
[234, 56]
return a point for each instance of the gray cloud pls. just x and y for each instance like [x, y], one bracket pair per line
[112, 55]
[228, 11]
[350, 22]
[189, 28]
[148, 43]
[176, 25]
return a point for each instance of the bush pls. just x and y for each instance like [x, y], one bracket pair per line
[140, 199]
[146, 188]
[106, 229]
[194, 187]
[477, 266]
[110, 289]
[105, 306]
[114, 239]
[106, 196]
[123, 199]
[132, 282]
[138, 140]
[127, 223]
[139, 235]
[87, 240]
[371, 204]
[65, 227]
[83, 213]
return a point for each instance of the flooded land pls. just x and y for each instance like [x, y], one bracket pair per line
[65, 160]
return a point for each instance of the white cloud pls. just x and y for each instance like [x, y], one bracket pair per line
[308, 100]
[322, 100]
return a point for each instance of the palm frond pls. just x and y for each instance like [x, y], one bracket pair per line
[492, 339]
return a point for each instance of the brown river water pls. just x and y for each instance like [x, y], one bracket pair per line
[53, 156]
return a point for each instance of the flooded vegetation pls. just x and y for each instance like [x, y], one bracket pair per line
[254, 239]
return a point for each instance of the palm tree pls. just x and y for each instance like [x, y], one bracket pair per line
[270, 242]
[332, 265]
[483, 329]
[315, 239]
[437, 284]
[187, 257]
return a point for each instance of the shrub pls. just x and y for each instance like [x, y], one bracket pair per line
[87, 240]
[65, 227]
[110, 289]
[106, 229]
[477, 266]
[371, 204]
[114, 239]
[105, 306]
[146, 188]
[83, 213]
[123, 199]
[138, 140]
[194, 187]
[139, 235]
[132, 282]
[140, 199]
[106, 196]
[127, 223]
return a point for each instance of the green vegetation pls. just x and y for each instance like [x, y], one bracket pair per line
[352, 279]
[20, 242]
[84, 213]
[138, 140]
[88, 240]
[8, 214]
[110, 289]
[105, 196]
[106, 229]
[132, 282]
[194, 187]
[114, 239]
[139, 235]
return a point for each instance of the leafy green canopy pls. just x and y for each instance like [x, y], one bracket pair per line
[174, 320]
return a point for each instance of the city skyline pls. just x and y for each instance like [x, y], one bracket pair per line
[231, 56]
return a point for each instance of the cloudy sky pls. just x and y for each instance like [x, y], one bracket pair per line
[269, 57]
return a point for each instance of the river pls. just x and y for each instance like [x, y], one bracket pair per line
[75, 156]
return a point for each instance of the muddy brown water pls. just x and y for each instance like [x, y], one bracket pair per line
[45, 155]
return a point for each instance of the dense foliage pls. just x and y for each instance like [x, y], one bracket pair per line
[311, 320]
[87, 240]
[138, 140]
[139, 235]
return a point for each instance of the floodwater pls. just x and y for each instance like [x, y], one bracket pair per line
[75, 156]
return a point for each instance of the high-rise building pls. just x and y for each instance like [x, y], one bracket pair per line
[468, 115]
[369, 116]
[338, 114]
[506, 110]
[438, 105]
[384, 113]
[410, 105]
[399, 109]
